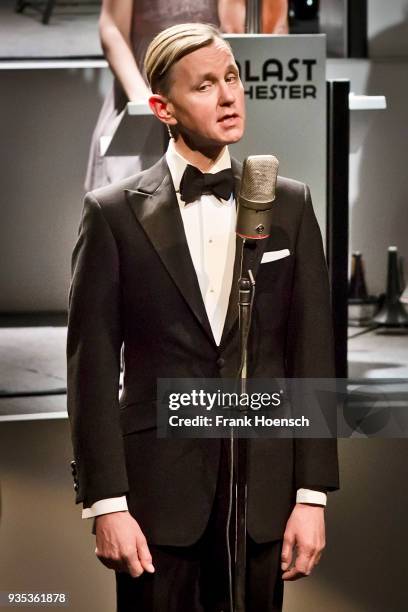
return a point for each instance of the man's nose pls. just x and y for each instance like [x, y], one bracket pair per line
[227, 96]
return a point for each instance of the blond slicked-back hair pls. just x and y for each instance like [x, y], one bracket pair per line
[170, 46]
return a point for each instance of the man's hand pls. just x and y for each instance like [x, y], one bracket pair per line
[121, 545]
[304, 530]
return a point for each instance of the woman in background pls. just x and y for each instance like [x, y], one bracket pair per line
[126, 28]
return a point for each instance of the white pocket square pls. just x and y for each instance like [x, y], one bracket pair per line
[274, 255]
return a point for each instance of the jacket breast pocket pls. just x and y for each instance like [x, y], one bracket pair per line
[275, 274]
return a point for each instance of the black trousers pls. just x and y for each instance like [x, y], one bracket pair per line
[196, 578]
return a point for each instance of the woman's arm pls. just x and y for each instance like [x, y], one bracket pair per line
[232, 16]
[114, 30]
[275, 17]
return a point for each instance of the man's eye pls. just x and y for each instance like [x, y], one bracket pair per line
[204, 86]
[231, 78]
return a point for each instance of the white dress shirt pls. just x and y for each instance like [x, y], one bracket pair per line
[209, 225]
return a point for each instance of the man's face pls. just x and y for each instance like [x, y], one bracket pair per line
[206, 97]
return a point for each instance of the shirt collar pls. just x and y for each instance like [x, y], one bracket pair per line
[177, 164]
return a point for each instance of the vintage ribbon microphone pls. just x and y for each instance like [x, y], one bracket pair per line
[254, 222]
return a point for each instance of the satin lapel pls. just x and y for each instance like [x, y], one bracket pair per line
[232, 310]
[159, 214]
[254, 259]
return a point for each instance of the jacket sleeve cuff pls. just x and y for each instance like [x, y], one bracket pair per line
[309, 496]
[105, 506]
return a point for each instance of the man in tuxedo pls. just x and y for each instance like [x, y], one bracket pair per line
[155, 269]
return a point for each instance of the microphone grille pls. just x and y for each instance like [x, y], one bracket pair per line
[259, 178]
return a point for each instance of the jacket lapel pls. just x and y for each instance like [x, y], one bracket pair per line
[154, 204]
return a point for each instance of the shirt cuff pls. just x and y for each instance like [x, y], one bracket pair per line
[309, 496]
[105, 506]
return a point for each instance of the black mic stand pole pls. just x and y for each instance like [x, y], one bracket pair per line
[246, 287]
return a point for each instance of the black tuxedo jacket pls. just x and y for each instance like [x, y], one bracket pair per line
[134, 283]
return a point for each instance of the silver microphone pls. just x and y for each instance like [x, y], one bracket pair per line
[257, 192]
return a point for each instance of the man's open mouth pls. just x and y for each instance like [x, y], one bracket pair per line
[228, 117]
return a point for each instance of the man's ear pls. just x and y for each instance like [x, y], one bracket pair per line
[162, 108]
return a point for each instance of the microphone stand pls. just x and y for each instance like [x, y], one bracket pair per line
[246, 292]
[253, 16]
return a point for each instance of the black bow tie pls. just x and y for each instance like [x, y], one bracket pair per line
[194, 184]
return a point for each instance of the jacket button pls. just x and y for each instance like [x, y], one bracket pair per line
[76, 486]
[220, 362]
